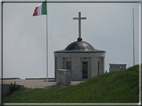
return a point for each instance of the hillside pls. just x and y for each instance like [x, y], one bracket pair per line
[114, 87]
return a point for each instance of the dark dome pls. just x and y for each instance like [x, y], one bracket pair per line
[79, 47]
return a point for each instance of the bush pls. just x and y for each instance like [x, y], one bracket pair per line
[13, 87]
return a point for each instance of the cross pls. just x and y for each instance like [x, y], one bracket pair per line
[79, 18]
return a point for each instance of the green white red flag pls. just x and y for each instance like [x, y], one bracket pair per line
[41, 9]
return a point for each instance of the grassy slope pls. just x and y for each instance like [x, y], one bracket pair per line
[114, 87]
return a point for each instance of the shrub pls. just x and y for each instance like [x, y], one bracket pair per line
[13, 87]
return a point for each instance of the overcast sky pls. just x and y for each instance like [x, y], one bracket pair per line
[108, 27]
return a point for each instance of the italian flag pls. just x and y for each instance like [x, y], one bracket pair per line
[40, 9]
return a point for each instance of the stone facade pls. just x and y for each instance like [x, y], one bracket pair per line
[63, 77]
[117, 67]
[81, 65]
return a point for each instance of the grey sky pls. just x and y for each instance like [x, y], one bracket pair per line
[108, 27]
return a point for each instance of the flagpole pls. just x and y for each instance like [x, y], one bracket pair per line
[133, 40]
[1, 50]
[46, 43]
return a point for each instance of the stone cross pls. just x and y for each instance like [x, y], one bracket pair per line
[79, 18]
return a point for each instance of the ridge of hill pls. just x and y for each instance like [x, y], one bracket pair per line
[114, 87]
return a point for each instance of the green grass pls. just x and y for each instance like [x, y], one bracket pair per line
[113, 87]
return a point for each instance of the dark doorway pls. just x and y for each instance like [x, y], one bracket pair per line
[85, 70]
[68, 65]
[98, 67]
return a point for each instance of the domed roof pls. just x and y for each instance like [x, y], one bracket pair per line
[78, 47]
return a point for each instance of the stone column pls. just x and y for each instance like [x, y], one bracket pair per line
[59, 65]
[76, 71]
[94, 66]
[102, 65]
[55, 67]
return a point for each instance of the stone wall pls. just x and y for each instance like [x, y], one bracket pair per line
[63, 77]
[6, 89]
[76, 61]
[117, 67]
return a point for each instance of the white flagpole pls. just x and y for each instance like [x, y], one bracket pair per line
[46, 43]
[133, 40]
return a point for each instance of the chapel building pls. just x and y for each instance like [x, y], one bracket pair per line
[81, 58]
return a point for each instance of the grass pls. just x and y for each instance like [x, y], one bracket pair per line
[113, 87]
